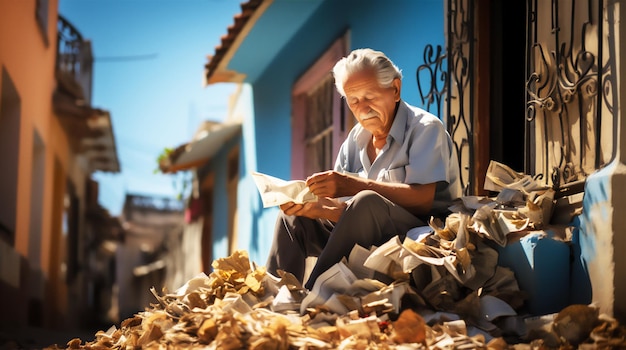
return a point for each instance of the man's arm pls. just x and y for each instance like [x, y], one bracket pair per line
[417, 199]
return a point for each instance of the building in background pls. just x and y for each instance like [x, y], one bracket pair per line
[53, 234]
[211, 161]
[148, 252]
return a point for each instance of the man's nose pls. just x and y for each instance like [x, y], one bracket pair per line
[362, 109]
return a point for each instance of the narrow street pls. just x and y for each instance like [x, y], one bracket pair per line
[38, 338]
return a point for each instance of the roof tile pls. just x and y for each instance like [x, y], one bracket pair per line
[248, 8]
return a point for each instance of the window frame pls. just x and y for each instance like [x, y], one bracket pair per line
[309, 81]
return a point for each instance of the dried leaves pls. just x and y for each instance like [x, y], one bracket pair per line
[230, 309]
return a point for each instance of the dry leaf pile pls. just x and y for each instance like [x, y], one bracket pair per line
[230, 309]
[453, 271]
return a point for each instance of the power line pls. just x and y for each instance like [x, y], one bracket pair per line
[126, 58]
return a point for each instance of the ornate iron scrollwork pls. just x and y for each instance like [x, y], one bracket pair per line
[564, 111]
[436, 78]
[567, 113]
[448, 76]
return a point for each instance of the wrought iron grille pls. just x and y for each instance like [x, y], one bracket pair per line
[69, 47]
[74, 58]
[444, 82]
[570, 88]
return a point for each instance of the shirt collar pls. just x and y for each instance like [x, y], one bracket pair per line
[399, 122]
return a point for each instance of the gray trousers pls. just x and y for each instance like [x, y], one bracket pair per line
[370, 219]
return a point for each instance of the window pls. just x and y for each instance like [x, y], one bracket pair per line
[231, 188]
[320, 119]
[41, 14]
[318, 137]
[10, 114]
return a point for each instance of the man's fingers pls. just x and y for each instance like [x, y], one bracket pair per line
[292, 208]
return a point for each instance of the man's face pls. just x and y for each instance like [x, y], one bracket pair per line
[372, 105]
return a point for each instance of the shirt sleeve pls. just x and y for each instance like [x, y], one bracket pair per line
[348, 155]
[429, 154]
[341, 163]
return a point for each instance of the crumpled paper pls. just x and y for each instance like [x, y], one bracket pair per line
[223, 311]
[275, 191]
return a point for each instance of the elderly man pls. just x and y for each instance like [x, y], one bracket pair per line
[394, 170]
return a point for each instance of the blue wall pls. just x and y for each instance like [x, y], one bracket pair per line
[400, 28]
[219, 166]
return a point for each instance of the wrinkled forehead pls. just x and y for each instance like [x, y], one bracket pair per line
[362, 80]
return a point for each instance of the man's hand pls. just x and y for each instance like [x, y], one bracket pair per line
[323, 208]
[333, 184]
[416, 198]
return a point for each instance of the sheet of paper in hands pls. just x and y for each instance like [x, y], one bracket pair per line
[275, 191]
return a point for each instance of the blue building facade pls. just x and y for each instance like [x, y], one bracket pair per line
[401, 29]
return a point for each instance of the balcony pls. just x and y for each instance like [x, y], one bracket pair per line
[89, 129]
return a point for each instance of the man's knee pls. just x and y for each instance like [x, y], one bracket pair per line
[283, 226]
[367, 199]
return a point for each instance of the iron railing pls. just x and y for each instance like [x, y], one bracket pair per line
[74, 58]
[570, 90]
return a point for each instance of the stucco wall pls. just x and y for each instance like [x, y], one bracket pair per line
[27, 56]
[31, 69]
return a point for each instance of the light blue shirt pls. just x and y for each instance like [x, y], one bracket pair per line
[418, 151]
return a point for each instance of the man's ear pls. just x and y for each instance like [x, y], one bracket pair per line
[397, 86]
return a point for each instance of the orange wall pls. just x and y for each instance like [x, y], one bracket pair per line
[30, 64]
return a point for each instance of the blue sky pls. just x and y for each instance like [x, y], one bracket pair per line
[148, 73]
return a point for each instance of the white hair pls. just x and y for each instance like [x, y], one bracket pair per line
[362, 59]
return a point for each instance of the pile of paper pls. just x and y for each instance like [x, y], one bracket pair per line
[235, 308]
[440, 287]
